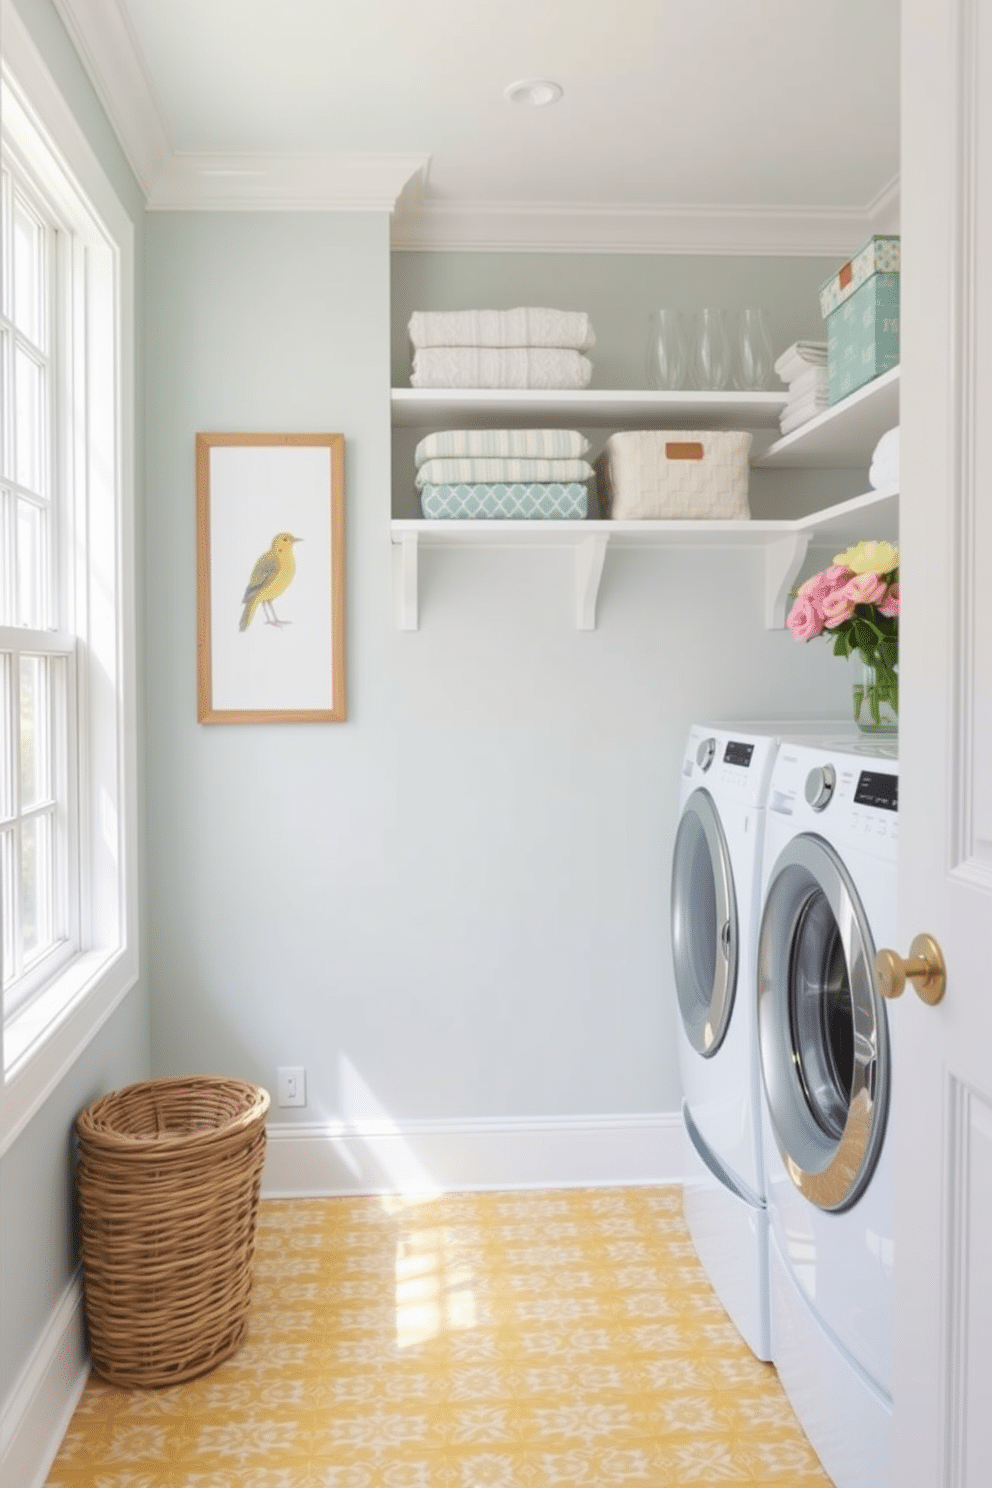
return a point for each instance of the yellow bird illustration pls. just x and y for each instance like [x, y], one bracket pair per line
[271, 576]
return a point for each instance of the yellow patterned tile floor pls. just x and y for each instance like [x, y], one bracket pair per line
[562, 1339]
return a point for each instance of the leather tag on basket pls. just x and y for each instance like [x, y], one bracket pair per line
[687, 449]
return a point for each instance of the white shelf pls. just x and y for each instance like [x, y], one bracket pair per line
[785, 544]
[466, 408]
[842, 437]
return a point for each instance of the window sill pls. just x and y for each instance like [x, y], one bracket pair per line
[43, 1041]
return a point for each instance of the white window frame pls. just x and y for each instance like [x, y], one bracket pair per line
[41, 1040]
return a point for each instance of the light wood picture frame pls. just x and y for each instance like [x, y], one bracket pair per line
[270, 578]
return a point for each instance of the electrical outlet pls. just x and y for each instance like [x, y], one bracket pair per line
[291, 1085]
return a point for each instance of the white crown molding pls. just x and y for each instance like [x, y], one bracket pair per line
[334, 1158]
[581, 227]
[883, 209]
[176, 182]
[171, 181]
[284, 183]
[109, 51]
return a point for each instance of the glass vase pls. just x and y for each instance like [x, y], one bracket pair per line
[753, 355]
[876, 698]
[667, 360]
[711, 352]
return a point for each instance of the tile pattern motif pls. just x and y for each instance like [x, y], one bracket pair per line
[564, 1339]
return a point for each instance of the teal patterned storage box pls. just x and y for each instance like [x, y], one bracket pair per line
[860, 304]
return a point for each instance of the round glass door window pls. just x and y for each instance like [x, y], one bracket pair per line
[822, 1027]
[704, 924]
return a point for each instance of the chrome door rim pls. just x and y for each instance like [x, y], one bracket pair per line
[705, 1010]
[831, 1173]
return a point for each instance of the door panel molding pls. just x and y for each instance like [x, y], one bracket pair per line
[968, 1429]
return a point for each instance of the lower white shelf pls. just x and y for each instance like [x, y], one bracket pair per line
[785, 544]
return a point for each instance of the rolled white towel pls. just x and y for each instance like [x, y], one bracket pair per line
[885, 461]
[500, 367]
[525, 326]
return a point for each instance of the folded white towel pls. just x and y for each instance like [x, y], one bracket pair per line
[500, 472]
[525, 326]
[494, 444]
[808, 401]
[499, 367]
[801, 355]
[793, 418]
[813, 380]
[885, 461]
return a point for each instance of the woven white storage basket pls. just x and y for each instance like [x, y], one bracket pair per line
[674, 474]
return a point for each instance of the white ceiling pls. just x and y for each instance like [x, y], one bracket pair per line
[742, 125]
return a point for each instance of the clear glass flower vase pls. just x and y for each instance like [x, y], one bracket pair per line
[876, 698]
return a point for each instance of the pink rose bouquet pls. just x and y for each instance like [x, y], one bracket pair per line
[856, 600]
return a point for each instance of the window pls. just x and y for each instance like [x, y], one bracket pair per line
[38, 816]
[67, 846]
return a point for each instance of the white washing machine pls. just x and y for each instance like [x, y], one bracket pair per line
[715, 904]
[825, 1038]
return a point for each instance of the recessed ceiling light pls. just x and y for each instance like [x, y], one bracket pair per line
[537, 92]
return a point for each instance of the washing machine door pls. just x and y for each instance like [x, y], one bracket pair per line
[822, 1026]
[704, 924]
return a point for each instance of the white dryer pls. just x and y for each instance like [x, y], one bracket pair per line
[825, 1039]
[715, 904]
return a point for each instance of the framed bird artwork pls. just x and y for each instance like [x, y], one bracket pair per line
[270, 578]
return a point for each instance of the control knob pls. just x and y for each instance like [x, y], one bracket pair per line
[820, 784]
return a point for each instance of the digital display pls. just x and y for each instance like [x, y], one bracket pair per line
[735, 753]
[876, 789]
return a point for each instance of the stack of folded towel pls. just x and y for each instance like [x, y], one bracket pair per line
[503, 473]
[523, 348]
[804, 368]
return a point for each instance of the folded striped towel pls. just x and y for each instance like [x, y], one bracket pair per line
[525, 326]
[499, 367]
[534, 444]
[545, 500]
[505, 472]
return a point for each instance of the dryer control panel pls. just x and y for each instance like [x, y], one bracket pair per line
[846, 798]
[732, 765]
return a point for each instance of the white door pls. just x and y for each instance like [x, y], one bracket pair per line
[943, 1384]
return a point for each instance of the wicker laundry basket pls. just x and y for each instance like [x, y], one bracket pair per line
[168, 1179]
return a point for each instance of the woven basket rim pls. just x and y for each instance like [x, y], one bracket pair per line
[93, 1126]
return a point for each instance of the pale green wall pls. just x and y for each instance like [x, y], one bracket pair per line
[38, 1243]
[459, 895]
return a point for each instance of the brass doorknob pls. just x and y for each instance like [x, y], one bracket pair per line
[925, 969]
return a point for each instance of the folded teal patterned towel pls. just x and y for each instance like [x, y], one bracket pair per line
[502, 444]
[500, 472]
[542, 500]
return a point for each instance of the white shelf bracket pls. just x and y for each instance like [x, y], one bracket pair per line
[405, 582]
[589, 555]
[783, 560]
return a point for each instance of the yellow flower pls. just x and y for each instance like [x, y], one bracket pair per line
[870, 557]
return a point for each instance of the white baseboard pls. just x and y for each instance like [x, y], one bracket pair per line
[442, 1156]
[39, 1407]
